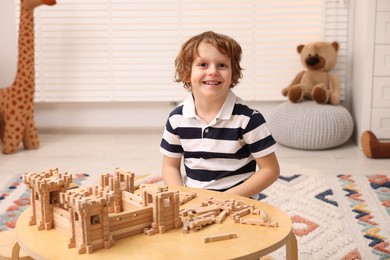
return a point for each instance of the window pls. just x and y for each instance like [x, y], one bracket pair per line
[121, 50]
[54, 197]
[95, 219]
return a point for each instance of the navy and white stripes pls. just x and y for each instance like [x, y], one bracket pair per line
[221, 154]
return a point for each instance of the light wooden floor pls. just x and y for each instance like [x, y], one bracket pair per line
[139, 153]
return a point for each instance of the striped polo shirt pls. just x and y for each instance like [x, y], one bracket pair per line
[218, 155]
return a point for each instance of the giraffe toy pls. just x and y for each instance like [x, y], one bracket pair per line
[17, 101]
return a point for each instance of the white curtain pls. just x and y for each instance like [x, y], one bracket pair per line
[124, 50]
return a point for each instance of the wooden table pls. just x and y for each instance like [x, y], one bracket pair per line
[251, 242]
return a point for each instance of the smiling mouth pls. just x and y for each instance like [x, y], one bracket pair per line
[212, 83]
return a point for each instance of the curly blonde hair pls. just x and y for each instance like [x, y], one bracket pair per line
[189, 50]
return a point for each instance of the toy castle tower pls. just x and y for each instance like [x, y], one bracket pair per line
[121, 181]
[86, 219]
[166, 208]
[45, 192]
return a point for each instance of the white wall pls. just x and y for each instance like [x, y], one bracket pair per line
[76, 116]
[106, 116]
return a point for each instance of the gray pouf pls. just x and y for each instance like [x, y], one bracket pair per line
[310, 126]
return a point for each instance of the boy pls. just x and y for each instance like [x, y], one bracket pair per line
[220, 138]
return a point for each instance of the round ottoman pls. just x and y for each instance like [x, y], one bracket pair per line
[310, 126]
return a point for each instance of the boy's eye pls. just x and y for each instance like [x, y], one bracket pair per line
[222, 65]
[202, 65]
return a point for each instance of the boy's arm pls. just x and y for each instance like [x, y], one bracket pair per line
[267, 174]
[171, 171]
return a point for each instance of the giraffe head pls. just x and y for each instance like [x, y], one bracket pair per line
[31, 4]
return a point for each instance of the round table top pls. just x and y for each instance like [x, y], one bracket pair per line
[251, 242]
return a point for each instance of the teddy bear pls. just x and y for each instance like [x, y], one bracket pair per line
[316, 83]
[372, 147]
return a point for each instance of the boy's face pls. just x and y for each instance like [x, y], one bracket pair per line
[211, 74]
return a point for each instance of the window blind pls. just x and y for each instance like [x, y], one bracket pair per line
[123, 50]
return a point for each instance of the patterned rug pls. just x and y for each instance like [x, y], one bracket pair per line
[334, 217]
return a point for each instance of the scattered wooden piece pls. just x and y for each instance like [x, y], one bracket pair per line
[258, 222]
[220, 237]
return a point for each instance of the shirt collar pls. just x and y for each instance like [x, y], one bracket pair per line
[224, 114]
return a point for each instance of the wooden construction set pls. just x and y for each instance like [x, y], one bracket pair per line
[94, 217]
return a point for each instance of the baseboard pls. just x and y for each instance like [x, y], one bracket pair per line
[100, 130]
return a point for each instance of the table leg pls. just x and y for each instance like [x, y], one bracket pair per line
[15, 251]
[292, 247]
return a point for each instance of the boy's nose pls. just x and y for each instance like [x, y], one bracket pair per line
[213, 69]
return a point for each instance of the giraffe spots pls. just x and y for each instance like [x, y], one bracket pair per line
[8, 142]
[32, 137]
[6, 150]
[9, 138]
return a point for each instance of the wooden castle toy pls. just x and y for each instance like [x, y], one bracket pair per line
[94, 217]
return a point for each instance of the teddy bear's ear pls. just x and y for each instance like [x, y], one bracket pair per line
[335, 45]
[300, 47]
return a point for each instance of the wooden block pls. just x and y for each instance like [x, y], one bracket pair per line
[217, 201]
[108, 243]
[89, 249]
[163, 228]
[134, 213]
[207, 214]
[263, 216]
[197, 224]
[129, 206]
[221, 217]
[96, 234]
[131, 196]
[184, 197]
[241, 213]
[136, 222]
[209, 208]
[126, 232]
[220, 237]
[258, 222]
[150, 231]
